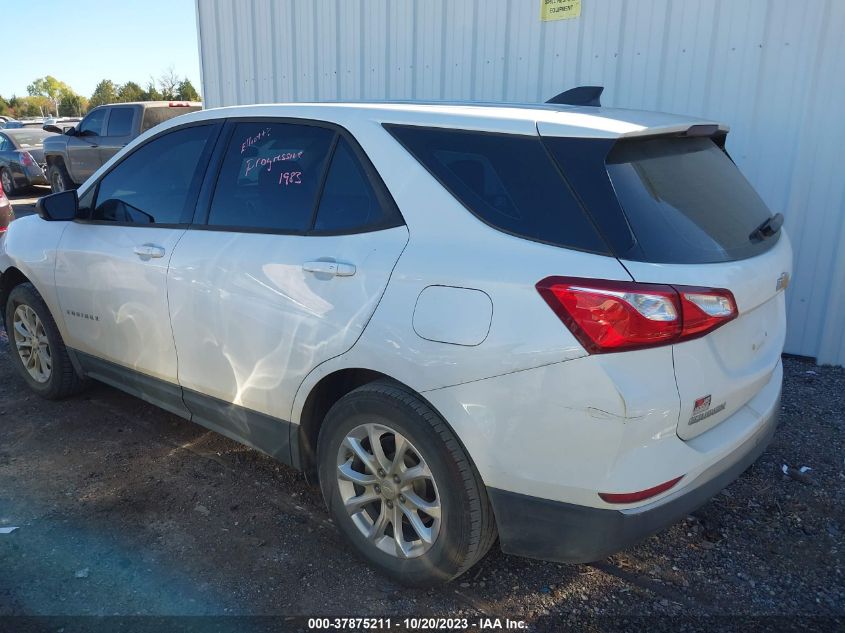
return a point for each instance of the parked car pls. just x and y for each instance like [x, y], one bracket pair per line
[82, 149]
[22, 158]
[17, 125]
[7, 214]
[559, 324]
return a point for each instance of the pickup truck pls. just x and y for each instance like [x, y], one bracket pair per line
[73, 156]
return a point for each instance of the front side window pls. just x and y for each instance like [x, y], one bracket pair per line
[507, 181]
[120, 122]
[270, 177]
[93, 123]
[154, 184]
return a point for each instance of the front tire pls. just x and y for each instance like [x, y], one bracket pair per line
[401, 488]
[38, 351]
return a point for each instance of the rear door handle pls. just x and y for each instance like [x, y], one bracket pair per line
[149, 251]
[337, 269]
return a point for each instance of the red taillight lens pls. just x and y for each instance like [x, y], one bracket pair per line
[26, 159]
[612, 316]
[641, 495]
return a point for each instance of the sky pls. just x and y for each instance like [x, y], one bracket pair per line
[82, 42]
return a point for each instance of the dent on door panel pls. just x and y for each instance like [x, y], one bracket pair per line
[250, 321]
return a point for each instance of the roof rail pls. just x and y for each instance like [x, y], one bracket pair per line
[580, 96]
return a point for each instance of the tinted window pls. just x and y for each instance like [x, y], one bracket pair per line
[94, 122]
[349, 202]
[508, 181]
[270, 176]
[154, 183]
[686, 201]
[158, 114]
[5, 145]
[120, 121]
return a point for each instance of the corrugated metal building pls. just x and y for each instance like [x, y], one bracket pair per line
[772, 69]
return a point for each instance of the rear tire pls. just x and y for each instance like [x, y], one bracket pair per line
[37, 349]
[59, 178]
[432, 490]
[7, 182]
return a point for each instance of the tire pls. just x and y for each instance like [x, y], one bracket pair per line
[59, 178]
[51, 375]
[8, 182]
[465, 529]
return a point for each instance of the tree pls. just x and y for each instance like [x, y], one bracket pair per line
[186, 91]
[72, 105]
[30, 106]
[152, 93]
[169, 84]
[5, 109]
[50, 88]
[130, 91]
[105, 92]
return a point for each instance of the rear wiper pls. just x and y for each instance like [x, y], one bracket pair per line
[767, 228]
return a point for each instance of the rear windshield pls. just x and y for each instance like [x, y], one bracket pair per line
[507, 181]
[159, 114]
[25, 140]
[685, 201]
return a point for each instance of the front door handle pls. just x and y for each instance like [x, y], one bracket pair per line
[336, 269]
[149, 251]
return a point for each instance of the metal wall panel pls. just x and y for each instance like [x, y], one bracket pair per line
[772, 69]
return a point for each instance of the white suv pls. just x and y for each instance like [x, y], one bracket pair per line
[557, 324]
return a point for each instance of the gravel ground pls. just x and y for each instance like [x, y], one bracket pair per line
[123, 509]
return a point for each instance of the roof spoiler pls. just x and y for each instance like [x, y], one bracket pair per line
[580, 96]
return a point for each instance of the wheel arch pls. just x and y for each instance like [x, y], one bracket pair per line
[10, 278]
[322, 397]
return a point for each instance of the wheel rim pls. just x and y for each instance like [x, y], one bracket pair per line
[31, 343]
[58, 182]
[388, 490]
[7, 181]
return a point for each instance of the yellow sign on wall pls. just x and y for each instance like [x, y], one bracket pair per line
[559, 9]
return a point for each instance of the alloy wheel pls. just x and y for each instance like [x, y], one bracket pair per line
[388, 490]
[6, 181]
[32, 344]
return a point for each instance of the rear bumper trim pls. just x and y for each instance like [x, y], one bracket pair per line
[557, 531]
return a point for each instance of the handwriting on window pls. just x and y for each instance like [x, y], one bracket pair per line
[252, 140]
[253, 164]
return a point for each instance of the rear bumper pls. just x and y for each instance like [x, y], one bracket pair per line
[564, 532]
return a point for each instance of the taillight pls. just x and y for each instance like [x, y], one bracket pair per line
[26, 159]
[612, 316]
[640, 495]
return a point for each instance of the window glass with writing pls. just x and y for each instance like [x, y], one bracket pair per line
[153, 184]
[270, 177]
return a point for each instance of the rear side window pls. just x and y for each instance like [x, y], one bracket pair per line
[120, 122]
[685, 201]
[507, 181]
[270, 177]
[158, 114]
[349, 202]
[154, 184]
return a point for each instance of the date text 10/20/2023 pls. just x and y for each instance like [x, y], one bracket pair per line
[417, 624]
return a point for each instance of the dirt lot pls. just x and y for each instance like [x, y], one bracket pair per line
[124, 509]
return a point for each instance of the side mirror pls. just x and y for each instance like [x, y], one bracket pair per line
[52, 128]
[58, 207]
